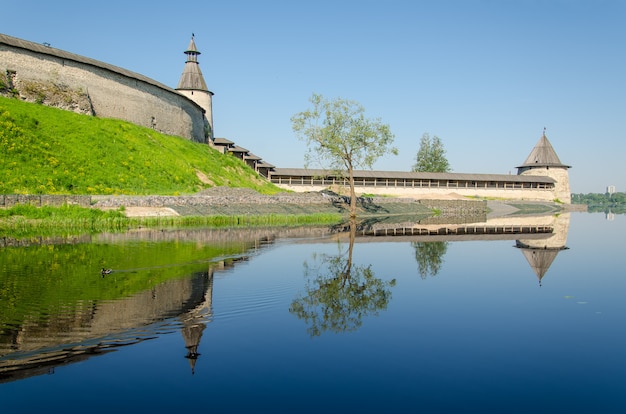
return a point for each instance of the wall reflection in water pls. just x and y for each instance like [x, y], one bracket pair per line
[337, 297]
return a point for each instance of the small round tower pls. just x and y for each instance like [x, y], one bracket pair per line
[543, 161]
[193, 86]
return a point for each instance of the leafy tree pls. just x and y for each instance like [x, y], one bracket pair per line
[340, 137]
[594, 199]
[429, 257]
[340, 294]
[431, 156]
[597, 202]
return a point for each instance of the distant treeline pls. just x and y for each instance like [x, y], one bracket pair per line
[597, 202]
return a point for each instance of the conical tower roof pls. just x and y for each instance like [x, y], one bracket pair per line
[192, 78]
[539, 259]
[192, 333]
[543, 155]
[192, 46]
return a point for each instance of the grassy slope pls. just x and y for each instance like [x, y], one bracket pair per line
[50, 151]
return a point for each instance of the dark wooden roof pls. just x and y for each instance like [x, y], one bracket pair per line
[264, 164]
[191, 78]
[222, 141]
[192, 49]
[543, 155]
[237, 148]
[299, 172]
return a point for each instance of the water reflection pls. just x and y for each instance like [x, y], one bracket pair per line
[429, 257]
[540, 238]
[31, 347]
[163, 283]
[195, 319]
[56, 308]
[339, 294]
[541, 252]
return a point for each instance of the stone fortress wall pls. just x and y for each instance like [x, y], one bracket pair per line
[43, 74]
[39, 73]
[561, 190]
[440, 193]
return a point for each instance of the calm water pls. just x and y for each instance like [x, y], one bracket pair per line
[271, 322]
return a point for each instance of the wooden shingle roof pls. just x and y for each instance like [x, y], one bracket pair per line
[222, 141]
[304, 172]
[191, 78]
[543, 155]
[237, 148]
[264, 164]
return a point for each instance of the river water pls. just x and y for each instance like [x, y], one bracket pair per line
[515, 315]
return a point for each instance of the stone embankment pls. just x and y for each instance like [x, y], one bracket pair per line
[237, 201]
[10, 200]
[241, 201]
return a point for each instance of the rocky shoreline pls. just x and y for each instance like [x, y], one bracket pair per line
[243, 201]
[239, 201]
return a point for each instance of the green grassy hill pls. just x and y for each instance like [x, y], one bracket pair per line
[50, 151]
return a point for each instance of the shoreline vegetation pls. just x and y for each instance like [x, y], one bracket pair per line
[71, 164]
[218, 207]
[22, 221]
[241, 208]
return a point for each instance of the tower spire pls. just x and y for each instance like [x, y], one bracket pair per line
[193, 86]
[192, 78]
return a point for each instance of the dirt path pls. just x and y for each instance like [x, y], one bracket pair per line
[150, 212]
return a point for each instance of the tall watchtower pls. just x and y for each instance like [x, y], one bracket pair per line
[193, 86]
[543, 161]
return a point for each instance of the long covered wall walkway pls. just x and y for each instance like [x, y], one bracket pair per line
[409, 184]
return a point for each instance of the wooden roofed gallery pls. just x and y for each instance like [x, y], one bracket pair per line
[401, 179]
[537, 179]
[542, 177]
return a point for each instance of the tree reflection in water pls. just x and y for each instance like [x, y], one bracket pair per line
[338, 293]
[429, 257]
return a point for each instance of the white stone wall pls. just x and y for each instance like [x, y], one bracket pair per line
[113, 94]
[517, 194]
[205, 100]
[559, 174]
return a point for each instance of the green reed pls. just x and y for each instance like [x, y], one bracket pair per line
[27, 221]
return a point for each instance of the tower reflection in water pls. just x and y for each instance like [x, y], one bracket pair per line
[31, 348]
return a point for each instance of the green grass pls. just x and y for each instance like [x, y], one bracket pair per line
[50, 151]
[69, 212]
[368, 195]
[23, 221]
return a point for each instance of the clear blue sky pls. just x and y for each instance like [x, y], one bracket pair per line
[485, 76]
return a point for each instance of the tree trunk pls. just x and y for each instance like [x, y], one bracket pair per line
[352, 193]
